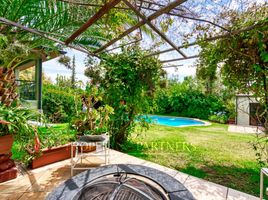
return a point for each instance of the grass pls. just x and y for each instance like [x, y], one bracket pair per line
[211, 153]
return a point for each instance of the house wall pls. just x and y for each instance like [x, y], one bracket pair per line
[242, 109]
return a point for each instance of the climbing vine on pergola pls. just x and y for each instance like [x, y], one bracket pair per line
[147, 13]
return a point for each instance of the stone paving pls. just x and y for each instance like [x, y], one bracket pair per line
[245, 129]
[37, 183]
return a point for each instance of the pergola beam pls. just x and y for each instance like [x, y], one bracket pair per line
[211, 38]
[171, 66]
[162, 35]
[141, 23]
[105, 9]
[36, 32]
[179, 59]
[151, 9]
[123, 45]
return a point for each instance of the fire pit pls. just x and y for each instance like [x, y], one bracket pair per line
[126, 182]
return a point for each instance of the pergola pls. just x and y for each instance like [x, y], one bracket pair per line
[139, 7]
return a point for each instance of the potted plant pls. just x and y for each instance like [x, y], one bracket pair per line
[93, 119]
[49, 146]
[13, 123]
[6, 140]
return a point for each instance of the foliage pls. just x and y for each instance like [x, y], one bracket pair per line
[242, 60]
[48, 136]
[129, 80]
[95, 115]
[17, 121]
[57, 19]
[69, 64]
[207, 69]
[187, 100]
[219, 118]
[60, 104]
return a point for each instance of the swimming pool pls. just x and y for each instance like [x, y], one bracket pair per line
[174, 121]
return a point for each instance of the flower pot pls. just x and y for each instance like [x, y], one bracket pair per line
[5, 157]
[7, 165]
[52, 155]
[6, 142]
[8, 174]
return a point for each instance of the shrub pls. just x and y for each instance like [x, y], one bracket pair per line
[219, 118]
[60, 104]
[187, 102]
[129, 80]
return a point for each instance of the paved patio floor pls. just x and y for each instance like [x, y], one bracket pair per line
[245, 129]
[37, 183]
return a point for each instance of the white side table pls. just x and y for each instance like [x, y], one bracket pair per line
[102, 150]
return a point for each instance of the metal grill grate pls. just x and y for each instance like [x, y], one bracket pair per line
[120, 188]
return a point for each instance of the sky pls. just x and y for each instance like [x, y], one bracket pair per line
[52, 67]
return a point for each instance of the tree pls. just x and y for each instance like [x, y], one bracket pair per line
[129, 80]
[69, 64]
[57, 19]
[206, 70]
[243, 62]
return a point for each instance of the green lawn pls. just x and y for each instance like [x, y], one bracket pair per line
[211, 153]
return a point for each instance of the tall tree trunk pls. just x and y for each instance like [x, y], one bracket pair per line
[8, 86]
[265, 88]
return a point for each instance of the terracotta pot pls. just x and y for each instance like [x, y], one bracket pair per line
[7, 165]
[52, 155]
[6, 142]
[87, 149]
[8, 174]
[5, 157]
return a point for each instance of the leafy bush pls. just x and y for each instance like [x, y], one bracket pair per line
[184, 101]
[129, 80]
[60, 104]
[15, 121]
[219, 118]
[94, 119]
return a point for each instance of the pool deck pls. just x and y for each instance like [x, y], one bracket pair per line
[38, 183]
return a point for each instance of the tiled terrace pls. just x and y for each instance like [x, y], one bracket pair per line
[36, 184]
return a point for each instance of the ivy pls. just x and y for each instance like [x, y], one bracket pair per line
[129, 80]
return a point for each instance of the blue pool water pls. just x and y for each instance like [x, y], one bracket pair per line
[174, 121]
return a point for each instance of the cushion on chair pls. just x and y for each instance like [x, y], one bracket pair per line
[91, 138]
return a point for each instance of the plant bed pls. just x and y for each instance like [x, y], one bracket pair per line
[52, 155]
[6, 142]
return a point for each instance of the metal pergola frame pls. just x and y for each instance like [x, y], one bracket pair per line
[169, 9]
